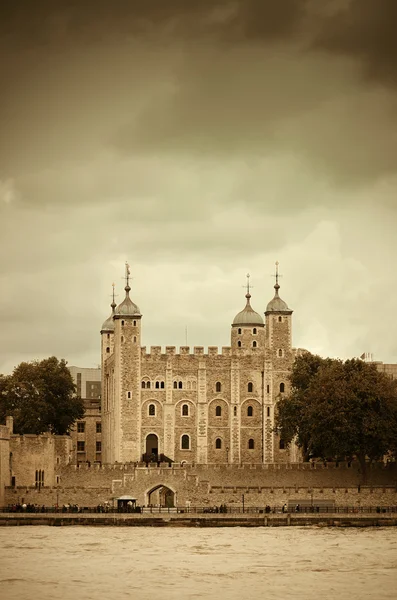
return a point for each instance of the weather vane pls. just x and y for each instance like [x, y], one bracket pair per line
[277, 275]
[247, 285]
[127, 274]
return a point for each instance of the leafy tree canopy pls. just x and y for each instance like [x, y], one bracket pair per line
[40, 395]
[339, 409]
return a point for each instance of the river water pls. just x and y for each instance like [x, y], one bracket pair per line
[82, 563]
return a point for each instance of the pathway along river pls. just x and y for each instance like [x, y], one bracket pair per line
[144, 563]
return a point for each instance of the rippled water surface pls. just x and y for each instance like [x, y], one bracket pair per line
[80, 563]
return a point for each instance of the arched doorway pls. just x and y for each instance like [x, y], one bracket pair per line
[161, 495]
[152, 447]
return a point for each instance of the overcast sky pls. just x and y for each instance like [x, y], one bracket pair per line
[199, 140]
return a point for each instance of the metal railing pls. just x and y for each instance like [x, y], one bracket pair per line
[223, 509]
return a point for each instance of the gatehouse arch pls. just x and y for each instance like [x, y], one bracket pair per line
[161, 495]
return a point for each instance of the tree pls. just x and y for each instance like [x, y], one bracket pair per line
[339, 409]
[40, 395]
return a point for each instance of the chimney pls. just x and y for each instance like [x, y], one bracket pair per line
[10, 424]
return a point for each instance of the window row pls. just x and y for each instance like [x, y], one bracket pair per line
[158, 385]
[250, 445]
[81, 427]
[146, 384]
[81, 446]
[185, 410]
[254, 344]
[122, 323]
[186, 444]
[250, 411]
[254, 331]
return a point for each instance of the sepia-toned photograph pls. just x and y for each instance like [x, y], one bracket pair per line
[198, 357]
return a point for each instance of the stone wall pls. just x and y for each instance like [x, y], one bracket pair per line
[206, 485]
[5, 475]
[32, 454]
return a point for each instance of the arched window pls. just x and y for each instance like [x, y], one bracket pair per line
[218, 411]
[282, 445]
[280, 352]
[122, 323]
[162, 385]
[239, 344]
[254, 331]
[180, 385]
[250, 411]
[143, 385]
[218, 386]
[107, 350]
[148, 385]
[251, 444]
[250, 387]
[280, 319]
[175, 385]
[157, 385]
[218, 443]
[134, 323]
[185, 410]
[254, 344]
[282, 388]
[185, 442]
[239, 331]
[235, 411]
[152, 410]
[108, 336]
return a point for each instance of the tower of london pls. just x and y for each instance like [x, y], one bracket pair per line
[192, 406]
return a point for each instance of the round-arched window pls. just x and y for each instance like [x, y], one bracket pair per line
[185, 442]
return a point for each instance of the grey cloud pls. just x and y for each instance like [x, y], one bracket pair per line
[366, 31]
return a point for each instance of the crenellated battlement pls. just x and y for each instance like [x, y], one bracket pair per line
[157, 351]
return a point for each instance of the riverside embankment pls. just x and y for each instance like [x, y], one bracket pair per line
[201, 520]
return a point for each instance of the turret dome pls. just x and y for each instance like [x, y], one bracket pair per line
[277, 305]
[108, 326]
[127, 308]
[248, 316]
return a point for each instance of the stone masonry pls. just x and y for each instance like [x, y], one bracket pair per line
[196, 406]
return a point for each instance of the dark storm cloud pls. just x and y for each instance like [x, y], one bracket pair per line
[366, 31]
[230, 20]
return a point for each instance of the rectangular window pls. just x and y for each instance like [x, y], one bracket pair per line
[81, 427]
[99, 447]
[80, 446]
[99, 427]
[268, 389]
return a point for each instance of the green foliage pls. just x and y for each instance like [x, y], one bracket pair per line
[40, 395]
[339, 409]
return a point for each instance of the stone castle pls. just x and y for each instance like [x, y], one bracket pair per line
[184, 429]
[196, 407]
